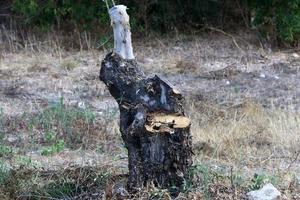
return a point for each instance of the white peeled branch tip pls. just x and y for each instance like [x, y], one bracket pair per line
[122, 35]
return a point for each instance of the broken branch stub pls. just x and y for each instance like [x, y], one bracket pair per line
[122, 35]
[153, 124]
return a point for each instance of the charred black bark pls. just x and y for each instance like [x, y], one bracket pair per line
[158, 151]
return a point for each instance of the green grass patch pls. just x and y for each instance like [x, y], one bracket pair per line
[59, 121]
[54, 148]
[260, 180]
[199, 176]
[4, 172]
[69, 183]
[5, 151]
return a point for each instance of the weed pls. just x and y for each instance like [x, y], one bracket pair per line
[207, 178]
[5, 150]
[159, 194]
[54, 148]
[61, 121]
[26, 162]
[259, 180]
[4, 172]
[199, 175]
[237, 179]
[68, 65]
[102, 177]
[60, 189]
[110, 113]
[1, 124]
[49, 137]
[23, 160]
[63, 184]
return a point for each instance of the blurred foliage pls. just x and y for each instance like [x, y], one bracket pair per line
[45, 13]
[159, 15]
[277, 20]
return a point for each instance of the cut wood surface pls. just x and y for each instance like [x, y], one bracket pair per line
[160, 123]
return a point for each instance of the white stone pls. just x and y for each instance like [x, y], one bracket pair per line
[177, 48]
[12, 139]
[122, 192]
[261, 75]
[295, 55]
[81, 105]
[268, 192]
[149, 60]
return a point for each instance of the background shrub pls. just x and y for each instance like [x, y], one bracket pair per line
[46, 13]
[277, 20]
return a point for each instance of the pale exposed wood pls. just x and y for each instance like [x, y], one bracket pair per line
[122, 35]
[161, 123]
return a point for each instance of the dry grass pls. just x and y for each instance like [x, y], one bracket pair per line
[247, 130]
[248, 140]
[250, 134]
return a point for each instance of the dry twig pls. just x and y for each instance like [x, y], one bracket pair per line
[227, 34]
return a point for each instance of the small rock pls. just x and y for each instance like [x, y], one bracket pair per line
[227, 82]
[12, 139]
[268, 192]
[122, 192]
[295, 55]
[177, 48]
[149, 60]
[261, 75]
[81, 105]
[72, 103]
[298, 179]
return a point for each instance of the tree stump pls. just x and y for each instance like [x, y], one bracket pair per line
[153, 124]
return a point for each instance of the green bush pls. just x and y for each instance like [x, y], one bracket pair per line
[46, 13]
[165, 15]
[279, 19]
[159, 15]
